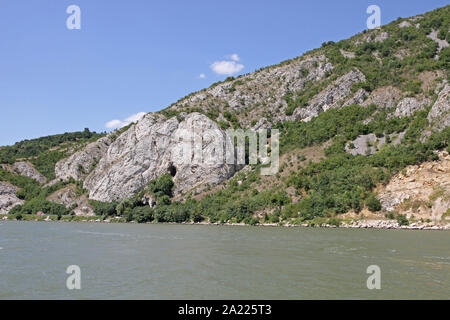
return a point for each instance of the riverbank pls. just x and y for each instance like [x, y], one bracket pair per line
[348, 224]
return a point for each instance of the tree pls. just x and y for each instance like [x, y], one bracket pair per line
[402, 220]
[162, 186]
[373, 203]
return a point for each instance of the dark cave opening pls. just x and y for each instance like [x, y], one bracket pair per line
[172, 170]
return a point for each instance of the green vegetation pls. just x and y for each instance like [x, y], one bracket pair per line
[44, 152]
[39, 204]
[324, 189]
[402, 220]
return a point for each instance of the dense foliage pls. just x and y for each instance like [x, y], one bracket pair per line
[44, 152]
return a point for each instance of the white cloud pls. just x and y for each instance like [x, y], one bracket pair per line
[235, 57]
[116, 124]
[202, 76]
[227, 67]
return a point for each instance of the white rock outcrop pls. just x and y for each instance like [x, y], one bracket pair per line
[409, 105]
[439, 115]
[8, 198]
[81, 163]
[331, 97]
[154, 146]
[26, 169]
[441, 43]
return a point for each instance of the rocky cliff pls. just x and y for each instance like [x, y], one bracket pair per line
[420, 191]
[25, 169]
[439, 115]
[8, 198]
[151, 148]
[80, 164]
[399, 71]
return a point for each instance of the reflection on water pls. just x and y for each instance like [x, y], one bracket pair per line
[128, 261]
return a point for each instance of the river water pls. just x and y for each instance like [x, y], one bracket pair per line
[130, 261]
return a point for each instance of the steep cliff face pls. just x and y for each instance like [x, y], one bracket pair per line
[8, 198]
[81, 163]
[439, 115]
[151, 148]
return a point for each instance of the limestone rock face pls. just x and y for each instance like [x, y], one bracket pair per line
[439, 115]
[434, 36]
[81, 163]
[357, 98]
[8, 198]
[420, 190]
[331, 97]
[369, 144]
[409, 105]
[25, 169]
[152, 147]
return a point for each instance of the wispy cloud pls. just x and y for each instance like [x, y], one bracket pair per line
[202, 76]
[227, 67]
[235, 57]
[116, 124]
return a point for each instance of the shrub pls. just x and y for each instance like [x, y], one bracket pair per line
[162, 186]
[402, 220]
[373, 203]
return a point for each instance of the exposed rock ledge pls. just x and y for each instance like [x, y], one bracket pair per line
[25, 169]
[439, 115]
[8, 198]
[331, 97]
[422, 191]
[145, 151]
[81, 163]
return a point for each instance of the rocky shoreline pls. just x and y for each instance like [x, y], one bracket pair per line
[359, 224]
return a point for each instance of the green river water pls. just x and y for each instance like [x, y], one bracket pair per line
[158, 261]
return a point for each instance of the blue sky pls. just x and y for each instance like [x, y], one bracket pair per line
[139, 55]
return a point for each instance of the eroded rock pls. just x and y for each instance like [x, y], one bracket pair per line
[439, 115]
[70, 199]
[26, 169]
[151, 148]
[409, 105]
[81, 163]
[422, 191]
[331, 97]
[8, 198]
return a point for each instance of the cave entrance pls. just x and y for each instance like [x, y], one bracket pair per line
[172, 170]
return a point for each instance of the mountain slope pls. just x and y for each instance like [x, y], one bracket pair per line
[351, 114]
